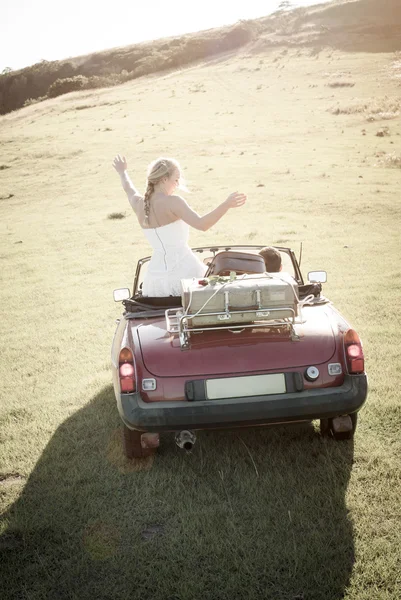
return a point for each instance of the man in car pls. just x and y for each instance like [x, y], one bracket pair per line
[272, 258]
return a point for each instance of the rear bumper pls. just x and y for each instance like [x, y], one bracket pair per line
[256, 410]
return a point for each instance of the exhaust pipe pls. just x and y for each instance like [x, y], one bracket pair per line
[185, 439]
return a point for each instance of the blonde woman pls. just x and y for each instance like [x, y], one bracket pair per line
[165, 220]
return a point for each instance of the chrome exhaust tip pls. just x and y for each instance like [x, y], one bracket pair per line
[185, 439]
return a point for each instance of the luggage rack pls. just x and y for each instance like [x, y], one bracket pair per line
[177, 323]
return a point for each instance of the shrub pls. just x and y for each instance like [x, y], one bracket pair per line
[373, 109]
[70, 84]
[126, 76]
[30, 101]
[17, 90]
[341, 83]
[392, 160]
[242, 33]
[98, 81]
[150, 64]
[196, 48]
[116, 215]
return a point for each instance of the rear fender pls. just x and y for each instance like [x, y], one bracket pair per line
[122, 339]
[342, 327]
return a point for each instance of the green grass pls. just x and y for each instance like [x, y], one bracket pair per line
[225, 526]
[258, 513]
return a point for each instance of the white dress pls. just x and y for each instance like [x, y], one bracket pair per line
[172, 260]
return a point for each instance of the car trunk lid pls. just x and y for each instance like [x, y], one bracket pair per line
[224, 352]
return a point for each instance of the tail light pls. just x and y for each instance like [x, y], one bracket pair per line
[126, 370]
[354, 352]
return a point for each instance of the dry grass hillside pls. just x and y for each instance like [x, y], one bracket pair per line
[307, 123]
[351, 25]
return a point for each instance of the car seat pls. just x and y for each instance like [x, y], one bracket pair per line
[239, 262]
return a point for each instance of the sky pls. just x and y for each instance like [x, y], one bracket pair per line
[35, 30]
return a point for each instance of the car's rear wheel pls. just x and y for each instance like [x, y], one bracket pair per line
[132, 444]
[327, 428]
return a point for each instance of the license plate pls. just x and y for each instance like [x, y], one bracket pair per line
[253, 385]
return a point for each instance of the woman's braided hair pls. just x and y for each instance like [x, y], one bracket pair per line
[146, 200]
[157, 170]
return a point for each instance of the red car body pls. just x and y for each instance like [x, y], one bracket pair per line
[162, 385]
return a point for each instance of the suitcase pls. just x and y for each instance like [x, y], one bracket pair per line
[246, 299]
[240, 262]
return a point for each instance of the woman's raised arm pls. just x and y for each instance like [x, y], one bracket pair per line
[120, 165]
[183, 211]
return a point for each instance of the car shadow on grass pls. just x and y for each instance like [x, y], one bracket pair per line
[249, 513]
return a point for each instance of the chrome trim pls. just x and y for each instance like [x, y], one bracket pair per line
[177, 323]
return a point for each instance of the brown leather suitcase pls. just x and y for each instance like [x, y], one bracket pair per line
[239, 262]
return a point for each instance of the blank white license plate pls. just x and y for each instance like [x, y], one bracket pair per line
[253, 385]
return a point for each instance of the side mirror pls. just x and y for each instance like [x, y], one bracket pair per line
[121, 294]
[317, 276]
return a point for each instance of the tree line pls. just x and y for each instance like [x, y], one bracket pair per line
[48, 79]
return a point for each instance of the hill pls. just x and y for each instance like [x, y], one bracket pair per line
[370, 25]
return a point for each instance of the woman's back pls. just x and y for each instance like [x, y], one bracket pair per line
[172, 260]
[160, 213]
[172, 236]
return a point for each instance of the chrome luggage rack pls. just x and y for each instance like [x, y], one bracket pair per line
[177, 322]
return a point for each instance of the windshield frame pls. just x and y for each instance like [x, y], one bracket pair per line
[214, 250]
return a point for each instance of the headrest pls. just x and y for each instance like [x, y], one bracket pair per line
[240, 262]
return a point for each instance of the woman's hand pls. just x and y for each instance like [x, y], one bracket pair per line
[235, 200]
[120, 164]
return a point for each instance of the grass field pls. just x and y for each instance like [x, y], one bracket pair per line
[312, 135]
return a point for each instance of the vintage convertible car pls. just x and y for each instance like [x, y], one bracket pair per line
[240, 347]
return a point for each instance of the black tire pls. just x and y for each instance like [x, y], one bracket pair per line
[326, 428]
[132, 444]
